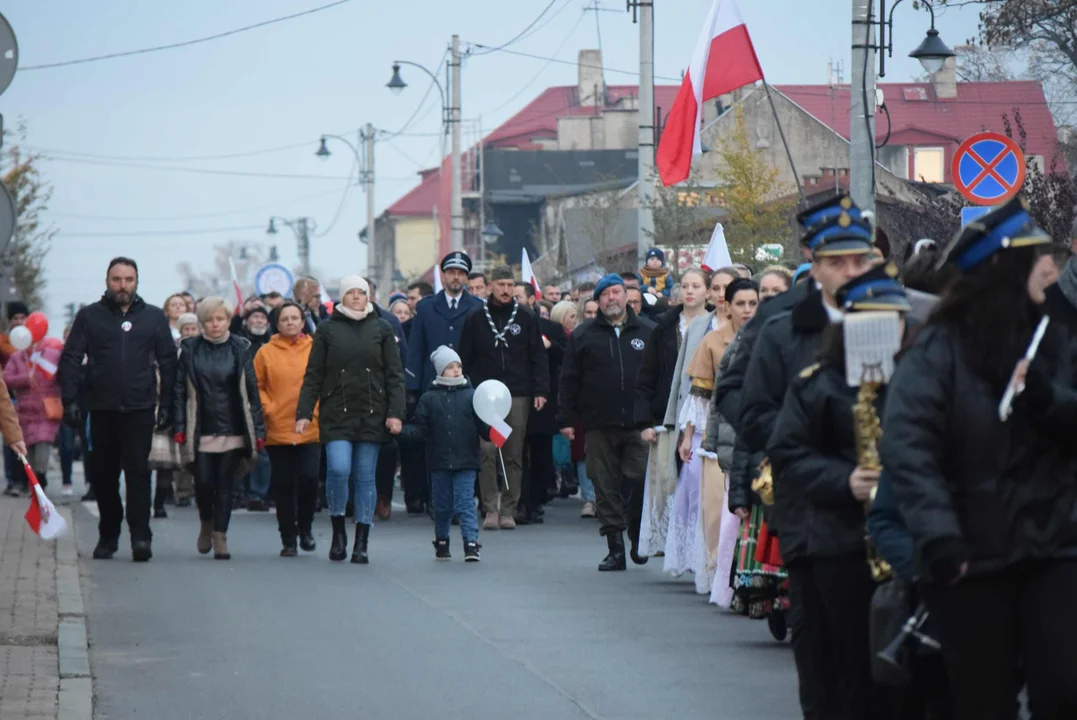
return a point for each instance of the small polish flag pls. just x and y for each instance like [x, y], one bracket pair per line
[42, 516]
[528, 275]
[718, 251]
[235, 285]
[499, 432]
[723, 61]
[438, 287]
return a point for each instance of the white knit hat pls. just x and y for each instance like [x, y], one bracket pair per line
[353, 282]
[443, 357]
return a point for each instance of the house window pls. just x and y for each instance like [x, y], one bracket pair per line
[928, 164]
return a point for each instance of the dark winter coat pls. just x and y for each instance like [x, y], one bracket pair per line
[522, 366]
[598, 377]
[434, 325]
[124, 353]
[354, 372]
[813, 453]
[656, 371]
[970, 487]
[445, 420]
[398, 331]
[889, 531]
[544, 421]
[728, 392]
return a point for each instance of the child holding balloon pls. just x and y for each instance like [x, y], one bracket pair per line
[31, 374]
[445, 418]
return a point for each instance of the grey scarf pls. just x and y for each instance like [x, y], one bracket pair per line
[450, 382]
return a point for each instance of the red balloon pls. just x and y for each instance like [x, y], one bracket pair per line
[328, 305]
[52, 343]
[38, 325]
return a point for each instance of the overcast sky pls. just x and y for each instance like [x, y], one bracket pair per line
[287, 83]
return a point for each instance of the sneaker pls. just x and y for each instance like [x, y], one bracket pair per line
[507, 523]
[441, 550]
[11, 491]
[67, 491]
[491, 521]
[471, 551]
[588, 510]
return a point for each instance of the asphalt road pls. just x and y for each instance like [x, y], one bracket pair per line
[533, 631]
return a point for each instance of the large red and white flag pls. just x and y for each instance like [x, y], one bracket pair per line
[723, 61]
[42, 516]
[235, 286]
[528, 275]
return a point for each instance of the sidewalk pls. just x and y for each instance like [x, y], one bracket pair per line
[29, 618]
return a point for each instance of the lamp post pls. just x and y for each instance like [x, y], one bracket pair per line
[491, 233]
[451, 117]
[378, 260]
[302, 227]
[932, 54]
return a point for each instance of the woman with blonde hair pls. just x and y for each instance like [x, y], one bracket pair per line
[217, 412]
[566, 314]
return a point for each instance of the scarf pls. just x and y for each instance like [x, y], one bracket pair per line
[218, 341]
[355, 314]
[499, 337]
[450, 382]
[654, 273]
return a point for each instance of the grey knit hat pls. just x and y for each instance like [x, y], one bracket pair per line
[443, 357]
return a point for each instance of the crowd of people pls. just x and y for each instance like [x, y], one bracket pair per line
[820, 446]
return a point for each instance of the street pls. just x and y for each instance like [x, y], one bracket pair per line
[533, 631]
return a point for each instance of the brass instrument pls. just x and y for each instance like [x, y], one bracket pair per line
[868, 431]
[763, 485]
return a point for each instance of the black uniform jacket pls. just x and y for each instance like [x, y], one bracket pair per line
[656, 373]
[522, 365]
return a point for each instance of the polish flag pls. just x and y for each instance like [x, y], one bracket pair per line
[45, 360]
[42, 516]
[235, 285]
[723, 61]
[528, 275]
[499, 432]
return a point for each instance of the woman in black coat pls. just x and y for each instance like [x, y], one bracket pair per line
[992, 504]
[218, 411]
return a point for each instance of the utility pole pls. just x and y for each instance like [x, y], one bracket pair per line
[304, 246]
[862, 107]
[375, 258]
[457, 207]
[645, 187]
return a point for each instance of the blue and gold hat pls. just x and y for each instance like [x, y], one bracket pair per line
[877, 289]
[1009, 226]
[836, 227]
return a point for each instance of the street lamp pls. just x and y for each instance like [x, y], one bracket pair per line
[396, 83]
[272, 229]
[323, 151]
[302, 227]
[932, 52]
[491, 233]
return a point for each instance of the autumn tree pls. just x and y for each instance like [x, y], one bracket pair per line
[684, 216]
[32, 238]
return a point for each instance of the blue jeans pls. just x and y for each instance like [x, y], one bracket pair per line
[66, 446]
[453, 493]
[258, 479]
[587, 486]
[349, 463]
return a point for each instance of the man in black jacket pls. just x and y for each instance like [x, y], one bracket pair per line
[129, 349]
[840, 243]
[598, 383]
[501, 341]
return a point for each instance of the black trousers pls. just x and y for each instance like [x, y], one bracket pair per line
[413, 473]
[295, 487]
[121, 442]
[831, 646]
[1006, 628]
[538, 471]
[215, 476]
[385, 471]
[617, 462]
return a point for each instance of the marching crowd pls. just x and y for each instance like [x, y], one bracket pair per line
[821, 447]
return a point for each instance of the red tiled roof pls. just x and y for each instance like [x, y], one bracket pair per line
[918, 118]
[420, 200]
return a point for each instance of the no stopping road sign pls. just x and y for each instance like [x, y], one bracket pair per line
[988, 169]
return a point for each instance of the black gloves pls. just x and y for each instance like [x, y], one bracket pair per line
[164, 420]
[72, 416]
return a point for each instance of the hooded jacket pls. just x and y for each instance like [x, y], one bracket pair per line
[280, 365]
[445, 419]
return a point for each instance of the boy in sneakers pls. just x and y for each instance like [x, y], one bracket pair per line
[445, 419]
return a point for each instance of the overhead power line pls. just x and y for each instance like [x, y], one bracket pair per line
[574, 63]
[520, 34]
[185, 43]
[202, 171]
[169, 158]
[139, 233]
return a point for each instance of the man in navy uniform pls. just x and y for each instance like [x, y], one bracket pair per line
[438, 321]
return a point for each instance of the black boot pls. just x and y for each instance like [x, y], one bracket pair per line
[306, 541]
[106, 548]
[338, 549]
[616, 558]
[141, 550]
[362, 535]
[159, 511]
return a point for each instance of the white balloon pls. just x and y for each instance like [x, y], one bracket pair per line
[20, 338]
[492, 401]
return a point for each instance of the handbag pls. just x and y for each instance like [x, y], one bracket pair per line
[54, 409]
[166, 454]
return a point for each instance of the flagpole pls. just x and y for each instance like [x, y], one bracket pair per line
[788, 152]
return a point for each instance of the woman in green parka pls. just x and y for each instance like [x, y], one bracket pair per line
[355, 376]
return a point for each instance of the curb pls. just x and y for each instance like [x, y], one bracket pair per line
[76, 683]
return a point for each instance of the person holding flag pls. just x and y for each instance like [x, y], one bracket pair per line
[31, 373]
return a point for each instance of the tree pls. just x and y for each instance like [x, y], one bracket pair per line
[218, 281]
[684, 216]
[33, 237]
[759, 207]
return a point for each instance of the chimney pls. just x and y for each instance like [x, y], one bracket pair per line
[945, 81]
[591, 86]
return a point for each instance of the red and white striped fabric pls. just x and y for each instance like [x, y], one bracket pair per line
[45, 362]
[499, 432]
[723, 61]
[235, 286]
[528, 275]
[42, 516]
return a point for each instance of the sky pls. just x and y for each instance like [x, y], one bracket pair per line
[129, 140]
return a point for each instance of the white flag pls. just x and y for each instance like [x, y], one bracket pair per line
[718, 251]
[528, 275]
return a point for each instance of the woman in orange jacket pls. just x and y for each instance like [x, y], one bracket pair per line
[295, 458]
